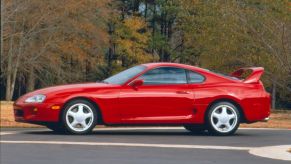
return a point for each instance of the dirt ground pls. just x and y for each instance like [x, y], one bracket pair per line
[278, 119]
[7, 117]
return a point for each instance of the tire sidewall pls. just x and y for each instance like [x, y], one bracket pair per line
[64, 122]
[210, 127]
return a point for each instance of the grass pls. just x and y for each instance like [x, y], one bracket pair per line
[278, 119]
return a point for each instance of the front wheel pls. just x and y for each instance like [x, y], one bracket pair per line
[223, 118]
[79, 117]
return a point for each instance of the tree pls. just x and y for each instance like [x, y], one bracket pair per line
[44, 40]
[54, 42]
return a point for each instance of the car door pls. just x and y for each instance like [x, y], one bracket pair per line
[164, 97]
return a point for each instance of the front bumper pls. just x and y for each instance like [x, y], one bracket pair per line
[35, 112]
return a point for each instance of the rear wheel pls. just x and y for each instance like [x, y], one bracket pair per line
[79, 117]
[223, 118]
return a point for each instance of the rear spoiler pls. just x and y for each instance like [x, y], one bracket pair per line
[253, 77]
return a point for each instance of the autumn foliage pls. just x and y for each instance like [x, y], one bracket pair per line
[45, 43]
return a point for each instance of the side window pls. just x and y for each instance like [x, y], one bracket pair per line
[195, 77]
[165, 75]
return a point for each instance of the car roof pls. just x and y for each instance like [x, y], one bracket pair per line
[152, 65]
[185, 66]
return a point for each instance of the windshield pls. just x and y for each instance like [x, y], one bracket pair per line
[125, 75]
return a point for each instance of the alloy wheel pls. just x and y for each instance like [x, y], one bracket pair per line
[79, 117]
[224, 118]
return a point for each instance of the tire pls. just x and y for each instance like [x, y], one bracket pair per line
[79, 117]
[223, 118]
[195, 128]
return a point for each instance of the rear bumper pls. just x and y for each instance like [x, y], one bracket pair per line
[257, 109]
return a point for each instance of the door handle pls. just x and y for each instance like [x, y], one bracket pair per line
[183, 92]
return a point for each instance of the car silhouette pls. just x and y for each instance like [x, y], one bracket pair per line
[152, 94]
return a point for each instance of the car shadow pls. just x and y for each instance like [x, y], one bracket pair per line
[134, 133]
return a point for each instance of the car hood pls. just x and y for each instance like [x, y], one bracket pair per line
[69, 87]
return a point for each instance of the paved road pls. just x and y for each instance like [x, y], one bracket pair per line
[142, 146]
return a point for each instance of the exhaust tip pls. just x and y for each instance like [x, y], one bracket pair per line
[266, 119]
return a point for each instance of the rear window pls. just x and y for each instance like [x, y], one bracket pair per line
[227, 76]
[195, 77]
[223, 75]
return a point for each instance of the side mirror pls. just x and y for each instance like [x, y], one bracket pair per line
[136, 83]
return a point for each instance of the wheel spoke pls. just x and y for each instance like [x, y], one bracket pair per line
[224, 111]
[231, 116]
[88, 115]
[227, 125]
[72, 114]
[218, 124]
[216, 115]
[83, 123]
[74, 123]
[80, 109]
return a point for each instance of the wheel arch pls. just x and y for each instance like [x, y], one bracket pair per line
[234, 102]
[97, 107]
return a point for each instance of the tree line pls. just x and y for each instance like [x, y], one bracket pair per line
[45, 43]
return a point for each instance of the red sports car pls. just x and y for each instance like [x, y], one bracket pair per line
[152, 94]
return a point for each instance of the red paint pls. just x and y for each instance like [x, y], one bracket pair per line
[154, 104]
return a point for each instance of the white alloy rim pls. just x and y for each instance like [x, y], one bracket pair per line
[79, 117]
[224, 118]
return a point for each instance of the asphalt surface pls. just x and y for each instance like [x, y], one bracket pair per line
[48, 153]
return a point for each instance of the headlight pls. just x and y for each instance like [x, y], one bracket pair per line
[35, 99]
